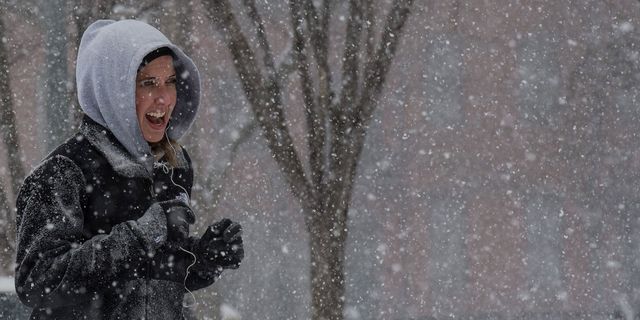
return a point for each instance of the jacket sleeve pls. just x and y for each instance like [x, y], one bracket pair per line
[56, 264]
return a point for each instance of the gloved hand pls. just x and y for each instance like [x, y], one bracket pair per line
[221, 246]
[179, 217]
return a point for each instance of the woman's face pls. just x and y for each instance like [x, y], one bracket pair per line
[155, 97]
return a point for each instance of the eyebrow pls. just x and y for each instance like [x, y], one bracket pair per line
[142, 76]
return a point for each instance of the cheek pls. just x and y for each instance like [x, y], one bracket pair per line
[142, 101]
[174, 100]
[174, 96]
[139, 107]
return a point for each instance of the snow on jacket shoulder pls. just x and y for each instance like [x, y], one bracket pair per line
[91, 235]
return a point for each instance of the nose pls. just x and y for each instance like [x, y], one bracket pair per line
[160, 99]
[163, 95]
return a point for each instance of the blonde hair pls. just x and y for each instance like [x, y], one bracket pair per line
[169, 148]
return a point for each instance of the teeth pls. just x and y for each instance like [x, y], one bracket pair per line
[156, 114]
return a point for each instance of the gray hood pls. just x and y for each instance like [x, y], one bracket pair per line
[108, 59]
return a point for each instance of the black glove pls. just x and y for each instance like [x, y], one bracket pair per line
[221, 246]
[179, 217]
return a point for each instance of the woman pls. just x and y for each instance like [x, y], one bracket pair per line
[103, 221]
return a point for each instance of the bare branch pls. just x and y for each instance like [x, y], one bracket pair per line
[243, 56]
[300, 58]
[286, 66]
[369, 29]
[262, 40]
[313, 113]
[378, 67]
[340, 120]
[350, 66]
[319, 29]
[244, 134]
[349, 130]
[318, 24]
[264, 102]
[322, 46]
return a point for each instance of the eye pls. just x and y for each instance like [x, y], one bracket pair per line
[147, 83]
[172, 81]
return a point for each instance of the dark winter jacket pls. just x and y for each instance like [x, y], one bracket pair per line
[91, 232]
[92, 236]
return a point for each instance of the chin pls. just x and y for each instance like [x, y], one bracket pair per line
[153, 139]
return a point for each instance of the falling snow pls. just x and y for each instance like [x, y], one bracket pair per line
[499, 177]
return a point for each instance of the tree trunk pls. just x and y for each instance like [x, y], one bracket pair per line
[329, 231]
[8, 129]
[327, 246]
[9, 136]
[56, 74]
[6, 255]
[325, 193]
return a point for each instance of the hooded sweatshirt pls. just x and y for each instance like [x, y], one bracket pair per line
[108, 59]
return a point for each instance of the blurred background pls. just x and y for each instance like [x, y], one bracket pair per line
[499, 179]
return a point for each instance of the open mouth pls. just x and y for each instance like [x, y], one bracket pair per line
[156, 118]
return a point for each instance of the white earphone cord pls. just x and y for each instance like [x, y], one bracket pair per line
[165, 169]
[184, 282]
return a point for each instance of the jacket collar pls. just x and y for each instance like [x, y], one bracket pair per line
[117, 156]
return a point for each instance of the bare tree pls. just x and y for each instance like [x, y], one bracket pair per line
[337, 122]
[9, 135]
[57, 82]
